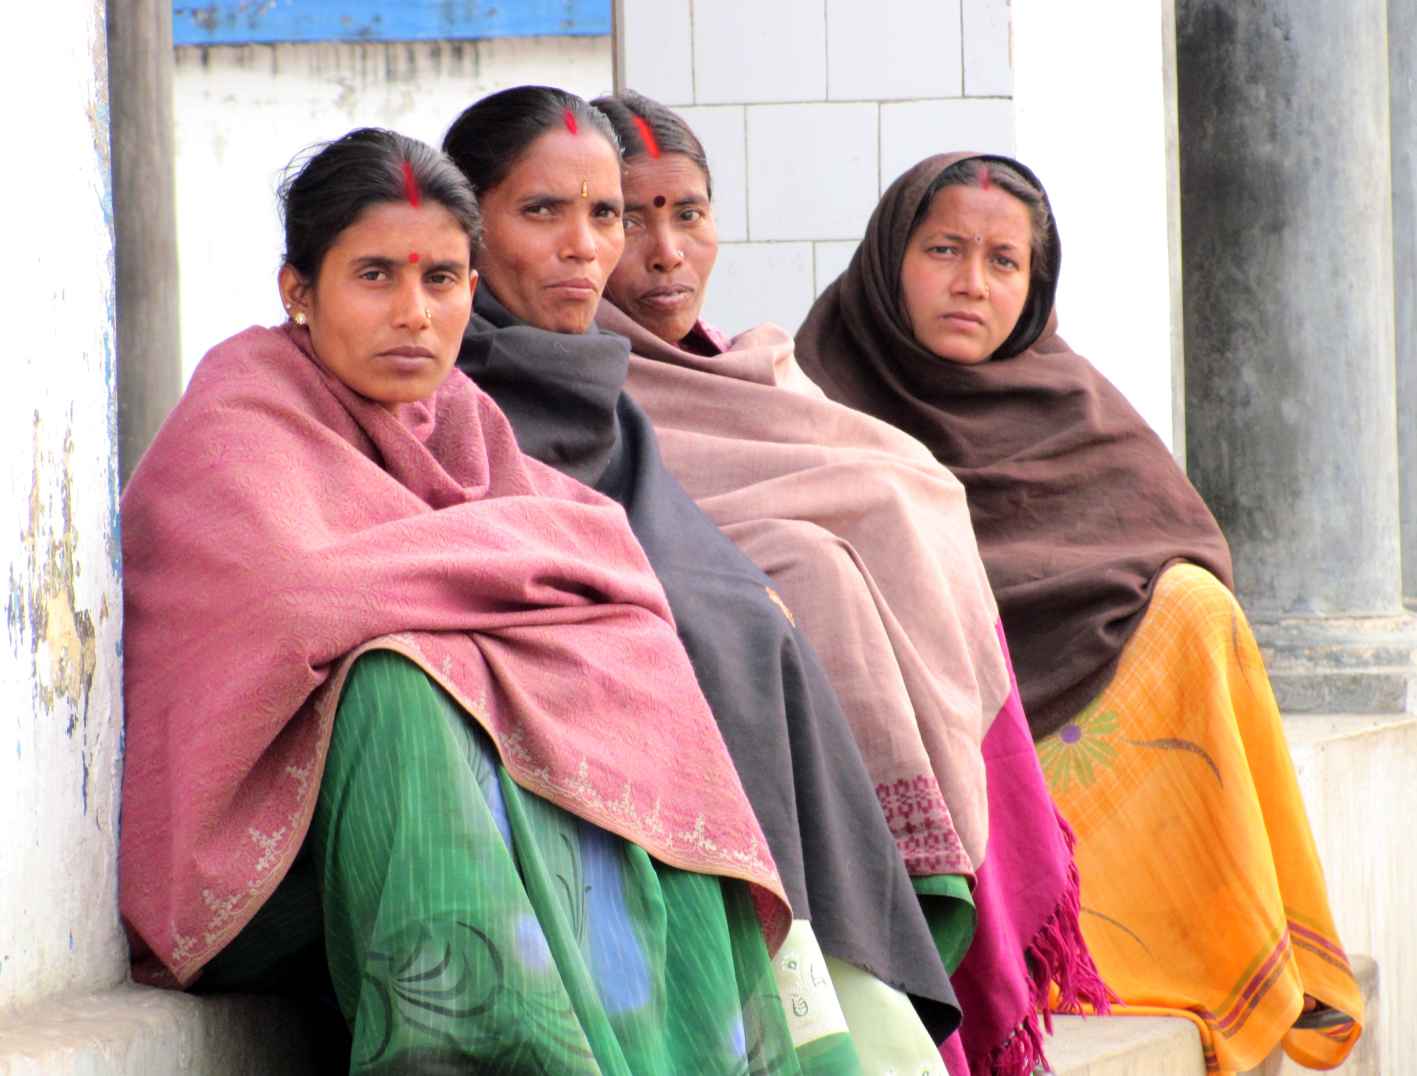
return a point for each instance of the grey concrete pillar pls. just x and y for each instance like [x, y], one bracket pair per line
[145, 220]
[1286, 218]
[1402, 55]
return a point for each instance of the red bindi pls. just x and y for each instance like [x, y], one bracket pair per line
[647, 137]
[410, 186]
[659, 201]
[571, 124]
[413, 258]
[984, 179]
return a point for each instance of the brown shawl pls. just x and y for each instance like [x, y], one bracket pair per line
[868, 541]
[1077, 504]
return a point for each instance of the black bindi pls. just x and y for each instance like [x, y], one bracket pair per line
[659, 201]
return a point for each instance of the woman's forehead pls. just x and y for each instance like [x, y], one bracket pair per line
[561, 158]
[992, 212]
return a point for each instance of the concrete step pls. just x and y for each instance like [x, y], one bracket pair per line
[137, 1031]
[1357, 777]
[1124, 1046]
[1170, 1046]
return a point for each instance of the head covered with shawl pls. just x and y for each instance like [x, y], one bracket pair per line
[325, 488]
[869, 541]
[1076, 503]
[532, 345]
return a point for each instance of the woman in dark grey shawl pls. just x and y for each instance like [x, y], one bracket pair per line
[546, 168]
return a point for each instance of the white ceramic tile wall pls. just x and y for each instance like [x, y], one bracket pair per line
[808, 109]
[913, 130]
[987, 68]
[758, 282]
[897, 49]
[721, 129]
[656, 53]
[829, 260]
[751, 50]
[812, 170]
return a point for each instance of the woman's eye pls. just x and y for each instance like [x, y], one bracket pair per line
[372, 274]
[442, 279]
[942, 248]
[607, 212]
[691, 216]
[633, 223]
[1005, 262]
[537, 210]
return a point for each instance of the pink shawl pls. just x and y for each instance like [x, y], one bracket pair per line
[279, 526]
[870, 542]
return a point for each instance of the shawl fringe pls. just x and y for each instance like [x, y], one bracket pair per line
[1057, 955]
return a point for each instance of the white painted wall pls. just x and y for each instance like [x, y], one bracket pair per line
[808, 109]
[1094, 120]
[242, 112]
[60, 699]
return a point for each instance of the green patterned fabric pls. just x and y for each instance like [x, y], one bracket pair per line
[472, 926]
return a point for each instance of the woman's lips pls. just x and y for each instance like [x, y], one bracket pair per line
[667, 298]
[579, 288]
[964, 320]
[408, 358]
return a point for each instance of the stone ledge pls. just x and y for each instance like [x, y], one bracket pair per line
[138, 1031]
[1170, 1046]
[1325, 665]
[1124, 1046]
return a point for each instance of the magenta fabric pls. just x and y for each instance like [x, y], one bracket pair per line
[1027, 892]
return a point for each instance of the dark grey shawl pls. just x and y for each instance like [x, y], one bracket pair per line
[778, 714]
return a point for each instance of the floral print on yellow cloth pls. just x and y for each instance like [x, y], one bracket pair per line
[1202, 892]
[1081, 747]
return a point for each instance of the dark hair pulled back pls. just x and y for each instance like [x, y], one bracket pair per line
[670, 131]
[490, 136]
[328, 186]
[969, 173]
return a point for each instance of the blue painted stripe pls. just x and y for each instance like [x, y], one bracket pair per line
[239, 22]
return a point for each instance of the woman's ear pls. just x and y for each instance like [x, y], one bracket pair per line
[294, 292]
[472, 279]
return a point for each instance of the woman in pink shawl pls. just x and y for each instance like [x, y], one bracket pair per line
[381, 674]
[869, 541]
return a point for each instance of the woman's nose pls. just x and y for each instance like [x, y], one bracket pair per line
[412, 304]
[667, 252]
[969, 277]
[578, 244]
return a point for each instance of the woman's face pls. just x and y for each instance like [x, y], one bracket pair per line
[390, 302]
[552, 230]
[670, 245]
[964, 278]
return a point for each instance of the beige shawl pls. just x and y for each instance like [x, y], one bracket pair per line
[868, 540]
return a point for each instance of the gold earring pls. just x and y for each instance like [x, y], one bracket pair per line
[298, 317]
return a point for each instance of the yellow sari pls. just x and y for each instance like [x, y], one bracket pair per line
[1202, 892]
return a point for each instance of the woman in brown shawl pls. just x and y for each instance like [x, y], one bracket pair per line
[868, 540]
[1158, 732]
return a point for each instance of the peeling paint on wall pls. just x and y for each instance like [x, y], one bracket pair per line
[43, 609]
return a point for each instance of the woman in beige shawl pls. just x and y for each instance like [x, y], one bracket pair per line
[869, 542]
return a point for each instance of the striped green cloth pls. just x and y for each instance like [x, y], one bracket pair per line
[472, 926]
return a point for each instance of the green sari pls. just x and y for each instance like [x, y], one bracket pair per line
[472, 926]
